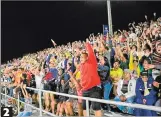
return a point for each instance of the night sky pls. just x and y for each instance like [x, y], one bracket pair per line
[28, 26]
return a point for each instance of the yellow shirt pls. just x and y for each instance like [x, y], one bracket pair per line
[131, 65]
[116, 75]
[77, 75]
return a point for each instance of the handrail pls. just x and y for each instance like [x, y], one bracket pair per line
[29, 105]
[154, 108]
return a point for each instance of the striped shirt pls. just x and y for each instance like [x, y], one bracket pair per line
[156, 58]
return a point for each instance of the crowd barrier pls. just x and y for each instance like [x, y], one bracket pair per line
[154, 108]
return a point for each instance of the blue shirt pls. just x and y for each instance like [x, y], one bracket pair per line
[54, 72]
[105, 70]
[112, 52]
[48, 58]
[67, 76]
[65, 63]
[140, 88]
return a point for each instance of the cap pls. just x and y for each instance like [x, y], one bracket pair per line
[127, 70]
[144, 73]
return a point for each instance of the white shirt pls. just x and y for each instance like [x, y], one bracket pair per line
[131, 88]
[38, 79]
[28, 108]
[133, 36]
[61, 64]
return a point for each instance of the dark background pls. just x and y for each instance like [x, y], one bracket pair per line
[28, 26]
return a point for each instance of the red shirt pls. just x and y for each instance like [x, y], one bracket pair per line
[48, 76]
[29, 75]
[88, 71]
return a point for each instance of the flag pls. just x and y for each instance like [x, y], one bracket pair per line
[53, 42]
[105, 30]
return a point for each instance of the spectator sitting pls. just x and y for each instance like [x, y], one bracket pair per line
[116, 74]
[145, 94]
[126, 91]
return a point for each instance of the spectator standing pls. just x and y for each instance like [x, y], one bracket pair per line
[90, 79]
[104, 70]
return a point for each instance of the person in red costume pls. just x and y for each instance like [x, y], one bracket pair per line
[90, 80]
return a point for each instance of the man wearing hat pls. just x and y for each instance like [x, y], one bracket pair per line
[126, 91]
[145, 94]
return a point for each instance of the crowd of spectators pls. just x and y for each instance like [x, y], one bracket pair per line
[124, 67]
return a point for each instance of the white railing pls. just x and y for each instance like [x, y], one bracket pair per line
[154, 108]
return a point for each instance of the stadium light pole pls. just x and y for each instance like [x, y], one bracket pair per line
[109, 17]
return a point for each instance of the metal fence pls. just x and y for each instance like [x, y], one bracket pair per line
[154, 108]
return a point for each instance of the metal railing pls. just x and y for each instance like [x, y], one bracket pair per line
[154, 108]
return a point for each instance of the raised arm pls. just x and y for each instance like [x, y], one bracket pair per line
[131, 64]
[91, 55]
